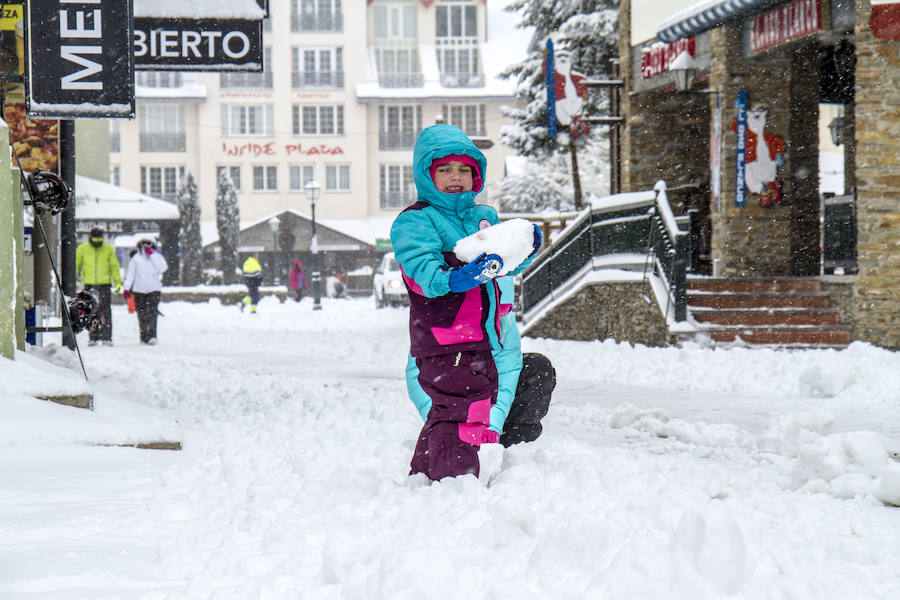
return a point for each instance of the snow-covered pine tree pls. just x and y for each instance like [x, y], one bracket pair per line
[228, 223]
[588, 29]
[189, 233]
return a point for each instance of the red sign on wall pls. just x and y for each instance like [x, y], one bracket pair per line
[784, 24]
[885, 19]
[655, 59]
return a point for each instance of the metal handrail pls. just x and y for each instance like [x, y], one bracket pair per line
[627, 224]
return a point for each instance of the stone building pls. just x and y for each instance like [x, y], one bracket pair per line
[807, 80]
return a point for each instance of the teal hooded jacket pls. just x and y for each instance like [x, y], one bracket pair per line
[423, 237]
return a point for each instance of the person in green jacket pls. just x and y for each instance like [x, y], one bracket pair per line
[97, 267]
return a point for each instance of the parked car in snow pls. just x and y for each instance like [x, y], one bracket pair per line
[388, 283]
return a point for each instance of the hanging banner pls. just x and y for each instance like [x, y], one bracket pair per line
[885, 19]
[715, 157]
[198, 44]
[550, 82]
[80, 62]
[34, 142]
[740, 188]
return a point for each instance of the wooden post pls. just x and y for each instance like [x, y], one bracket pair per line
[576, 179]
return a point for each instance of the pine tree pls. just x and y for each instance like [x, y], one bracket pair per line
[189, 234]
[228, 222]
[589, 30]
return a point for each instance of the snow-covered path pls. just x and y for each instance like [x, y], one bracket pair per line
[662, 473]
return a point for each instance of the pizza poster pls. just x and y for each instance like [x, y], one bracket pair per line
[34, 142]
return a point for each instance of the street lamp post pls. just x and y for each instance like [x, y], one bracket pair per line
[274, 222]
[312, 189]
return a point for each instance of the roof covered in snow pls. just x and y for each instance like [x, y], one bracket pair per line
[97, 199]
[199, 9]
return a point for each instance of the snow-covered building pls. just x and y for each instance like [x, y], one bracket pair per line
[342, 96]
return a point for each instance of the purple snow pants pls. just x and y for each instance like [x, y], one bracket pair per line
[462, 387]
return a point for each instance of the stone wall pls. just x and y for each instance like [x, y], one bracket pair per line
[623, 311]
[878, 184]
[840, 291]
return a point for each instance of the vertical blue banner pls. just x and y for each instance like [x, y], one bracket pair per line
[740, 185]
[551, 90]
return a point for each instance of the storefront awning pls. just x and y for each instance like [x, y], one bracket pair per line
[704, 16]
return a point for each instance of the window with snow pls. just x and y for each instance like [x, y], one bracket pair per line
[233, 172]
[265, 179]
[247, 120]
[468, 117]
[456, 41]
[318, 120]
[161, 127]
[246, 79]
[396, 186]
[398, 126]
[337, 178]
[317, 67]
[161, 182]
[299, 176]
[158, 79]
[396, 54]
[316, 15]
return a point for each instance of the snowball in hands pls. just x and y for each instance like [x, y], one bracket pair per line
[513, 240]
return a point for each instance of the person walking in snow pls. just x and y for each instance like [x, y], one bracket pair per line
[252, 279]
[297, 280]
[142, 279]
[97, 267]
[457, 321]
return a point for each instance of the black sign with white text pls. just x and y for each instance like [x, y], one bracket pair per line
[80, 62]
[197, 44]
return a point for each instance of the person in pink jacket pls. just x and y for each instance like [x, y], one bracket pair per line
[297, 280]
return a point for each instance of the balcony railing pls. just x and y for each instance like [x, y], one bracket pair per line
[461, 80]
[396, 140]
[401, 80]
[162, 142]
[324, 22]
[246, 80]
[397, 199]
[320, 79]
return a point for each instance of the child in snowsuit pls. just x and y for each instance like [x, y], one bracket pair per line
[297, 280]
[455, 316]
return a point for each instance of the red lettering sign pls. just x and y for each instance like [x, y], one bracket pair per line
[249, 149]
[254, 149]
[655, 60]
[313, 150]
[785, 24]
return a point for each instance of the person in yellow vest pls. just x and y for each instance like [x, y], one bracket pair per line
[252, 279]
[97, 267]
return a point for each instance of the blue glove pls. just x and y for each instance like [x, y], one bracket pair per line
[538, 239]
[480, 270]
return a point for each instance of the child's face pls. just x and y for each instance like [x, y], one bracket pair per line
[453, 177]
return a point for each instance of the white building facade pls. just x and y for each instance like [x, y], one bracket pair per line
[344, 92]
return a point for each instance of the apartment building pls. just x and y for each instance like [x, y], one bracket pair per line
[343, 94]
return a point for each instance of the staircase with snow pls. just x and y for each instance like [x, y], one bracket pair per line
[770, 312]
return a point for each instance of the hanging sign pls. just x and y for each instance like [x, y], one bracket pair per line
[79, 58]
[740, 191]
[885, 19]
[656, 58]
[214, 44]
[550, 82]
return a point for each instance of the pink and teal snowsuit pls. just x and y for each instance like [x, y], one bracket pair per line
[456, 339]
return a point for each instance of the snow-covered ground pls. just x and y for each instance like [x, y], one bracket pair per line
[662, 473]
